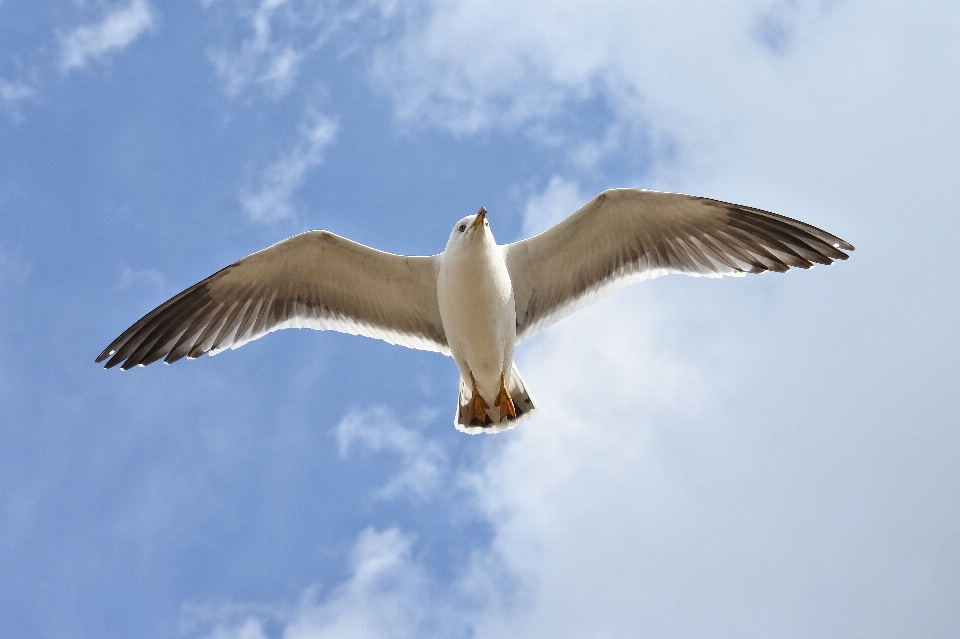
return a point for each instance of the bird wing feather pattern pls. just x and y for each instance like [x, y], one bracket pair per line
[313, 280]
[624, 236]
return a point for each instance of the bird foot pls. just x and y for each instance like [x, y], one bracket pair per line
[505, 402]
[477, 408]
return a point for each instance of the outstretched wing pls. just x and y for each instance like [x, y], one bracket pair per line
[624, 236]
[313, 280]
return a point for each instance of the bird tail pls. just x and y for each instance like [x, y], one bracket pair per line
[523, 404]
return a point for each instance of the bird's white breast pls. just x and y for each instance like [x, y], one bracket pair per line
[478, 312]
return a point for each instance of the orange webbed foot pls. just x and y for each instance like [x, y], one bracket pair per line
[505, 402]
[477, 408]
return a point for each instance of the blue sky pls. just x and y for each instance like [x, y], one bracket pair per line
[775, 455]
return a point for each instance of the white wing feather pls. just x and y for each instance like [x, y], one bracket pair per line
[624, 236]
[313, 280]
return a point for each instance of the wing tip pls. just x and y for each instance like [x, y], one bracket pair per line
[112, 354]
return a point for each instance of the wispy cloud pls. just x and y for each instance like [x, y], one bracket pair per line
[559, 199]
[778, 25]
[261, 58]
[423, 461]
[146, 277]
[117, 30]
[270, 200]
[382, 599]
[472, 65]
[281, 35]
[13, 92]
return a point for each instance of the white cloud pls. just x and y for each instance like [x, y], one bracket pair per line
[720, 80]
[12, 92]
[146, 277]
[382, 599]
[117, 30]
[470, 65]
[284, 33]
[671, 71]
[260, 58]
[423, 461]
[559, 199]
[780, 24]
[270, 201]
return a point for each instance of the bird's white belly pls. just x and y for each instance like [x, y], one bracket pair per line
[479, 316]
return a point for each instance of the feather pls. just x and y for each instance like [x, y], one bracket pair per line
[316, 279]
[625, 236]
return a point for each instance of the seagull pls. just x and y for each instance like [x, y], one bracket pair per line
[477, 299]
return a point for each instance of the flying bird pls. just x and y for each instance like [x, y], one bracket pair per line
[477, 299]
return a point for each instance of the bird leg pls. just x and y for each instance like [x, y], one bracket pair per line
[505, 402]
[477, 409]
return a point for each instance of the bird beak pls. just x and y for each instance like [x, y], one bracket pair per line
[481, 216]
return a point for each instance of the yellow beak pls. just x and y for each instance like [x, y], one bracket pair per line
[481, 216]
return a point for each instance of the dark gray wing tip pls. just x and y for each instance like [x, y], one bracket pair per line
[143, 341]
[826, 246]
[808, 230]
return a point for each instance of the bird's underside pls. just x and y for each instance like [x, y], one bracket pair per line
[512, 404]
[322, 281]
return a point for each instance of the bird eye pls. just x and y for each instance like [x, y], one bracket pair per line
[463, 227]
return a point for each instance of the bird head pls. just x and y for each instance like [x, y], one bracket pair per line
[471, 229]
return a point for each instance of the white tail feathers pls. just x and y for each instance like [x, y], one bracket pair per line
[523, 403]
